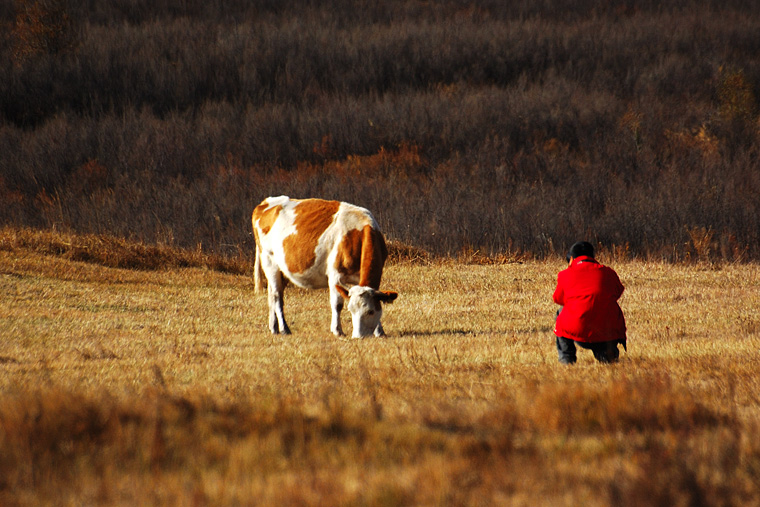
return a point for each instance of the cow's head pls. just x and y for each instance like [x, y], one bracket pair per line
[365, 305]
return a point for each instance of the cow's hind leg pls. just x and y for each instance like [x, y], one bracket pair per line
[276, 289]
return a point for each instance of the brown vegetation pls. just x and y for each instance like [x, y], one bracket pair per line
[164, 387]
[508, 128]
[115, 252]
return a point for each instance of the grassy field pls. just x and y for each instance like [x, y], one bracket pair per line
[163, 386]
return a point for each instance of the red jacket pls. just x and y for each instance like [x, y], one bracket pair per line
[588, 293]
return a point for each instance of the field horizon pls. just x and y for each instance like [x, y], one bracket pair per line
[163, 386]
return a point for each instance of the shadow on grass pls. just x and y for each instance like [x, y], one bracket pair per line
[440, 332]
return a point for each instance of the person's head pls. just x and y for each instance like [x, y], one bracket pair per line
[580, 249]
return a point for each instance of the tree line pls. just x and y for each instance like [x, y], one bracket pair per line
[463, 125]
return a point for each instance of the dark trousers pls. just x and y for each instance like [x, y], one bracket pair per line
[604, 352]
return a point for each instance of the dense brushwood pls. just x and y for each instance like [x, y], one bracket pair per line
[508, 128]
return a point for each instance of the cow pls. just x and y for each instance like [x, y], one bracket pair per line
[315, 243]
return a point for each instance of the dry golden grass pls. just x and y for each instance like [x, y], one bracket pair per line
[164, 387]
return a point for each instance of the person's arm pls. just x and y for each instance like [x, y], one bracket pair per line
[559, 293]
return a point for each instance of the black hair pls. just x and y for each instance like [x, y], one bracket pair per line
[580, 249]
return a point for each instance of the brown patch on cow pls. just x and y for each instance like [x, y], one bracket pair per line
[312, 218]
[265, 216]
[343, 292]
[374, 253]
[349, 258]
[364, 252]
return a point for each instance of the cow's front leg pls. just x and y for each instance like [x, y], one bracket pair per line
[276, 290]
[336, 304]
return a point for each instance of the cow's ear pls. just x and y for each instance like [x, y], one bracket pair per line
[386, 297]
[343, 292]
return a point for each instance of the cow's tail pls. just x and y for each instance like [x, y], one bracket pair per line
[259, 280]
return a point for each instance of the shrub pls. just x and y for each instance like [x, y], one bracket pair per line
[42, 27]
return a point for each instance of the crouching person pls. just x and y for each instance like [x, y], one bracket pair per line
[589, 314]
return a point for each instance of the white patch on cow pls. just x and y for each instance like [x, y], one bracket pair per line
[281, 200]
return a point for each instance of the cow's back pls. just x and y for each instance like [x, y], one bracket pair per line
[306, 238]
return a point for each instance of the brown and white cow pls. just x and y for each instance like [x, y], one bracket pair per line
[314, 244]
